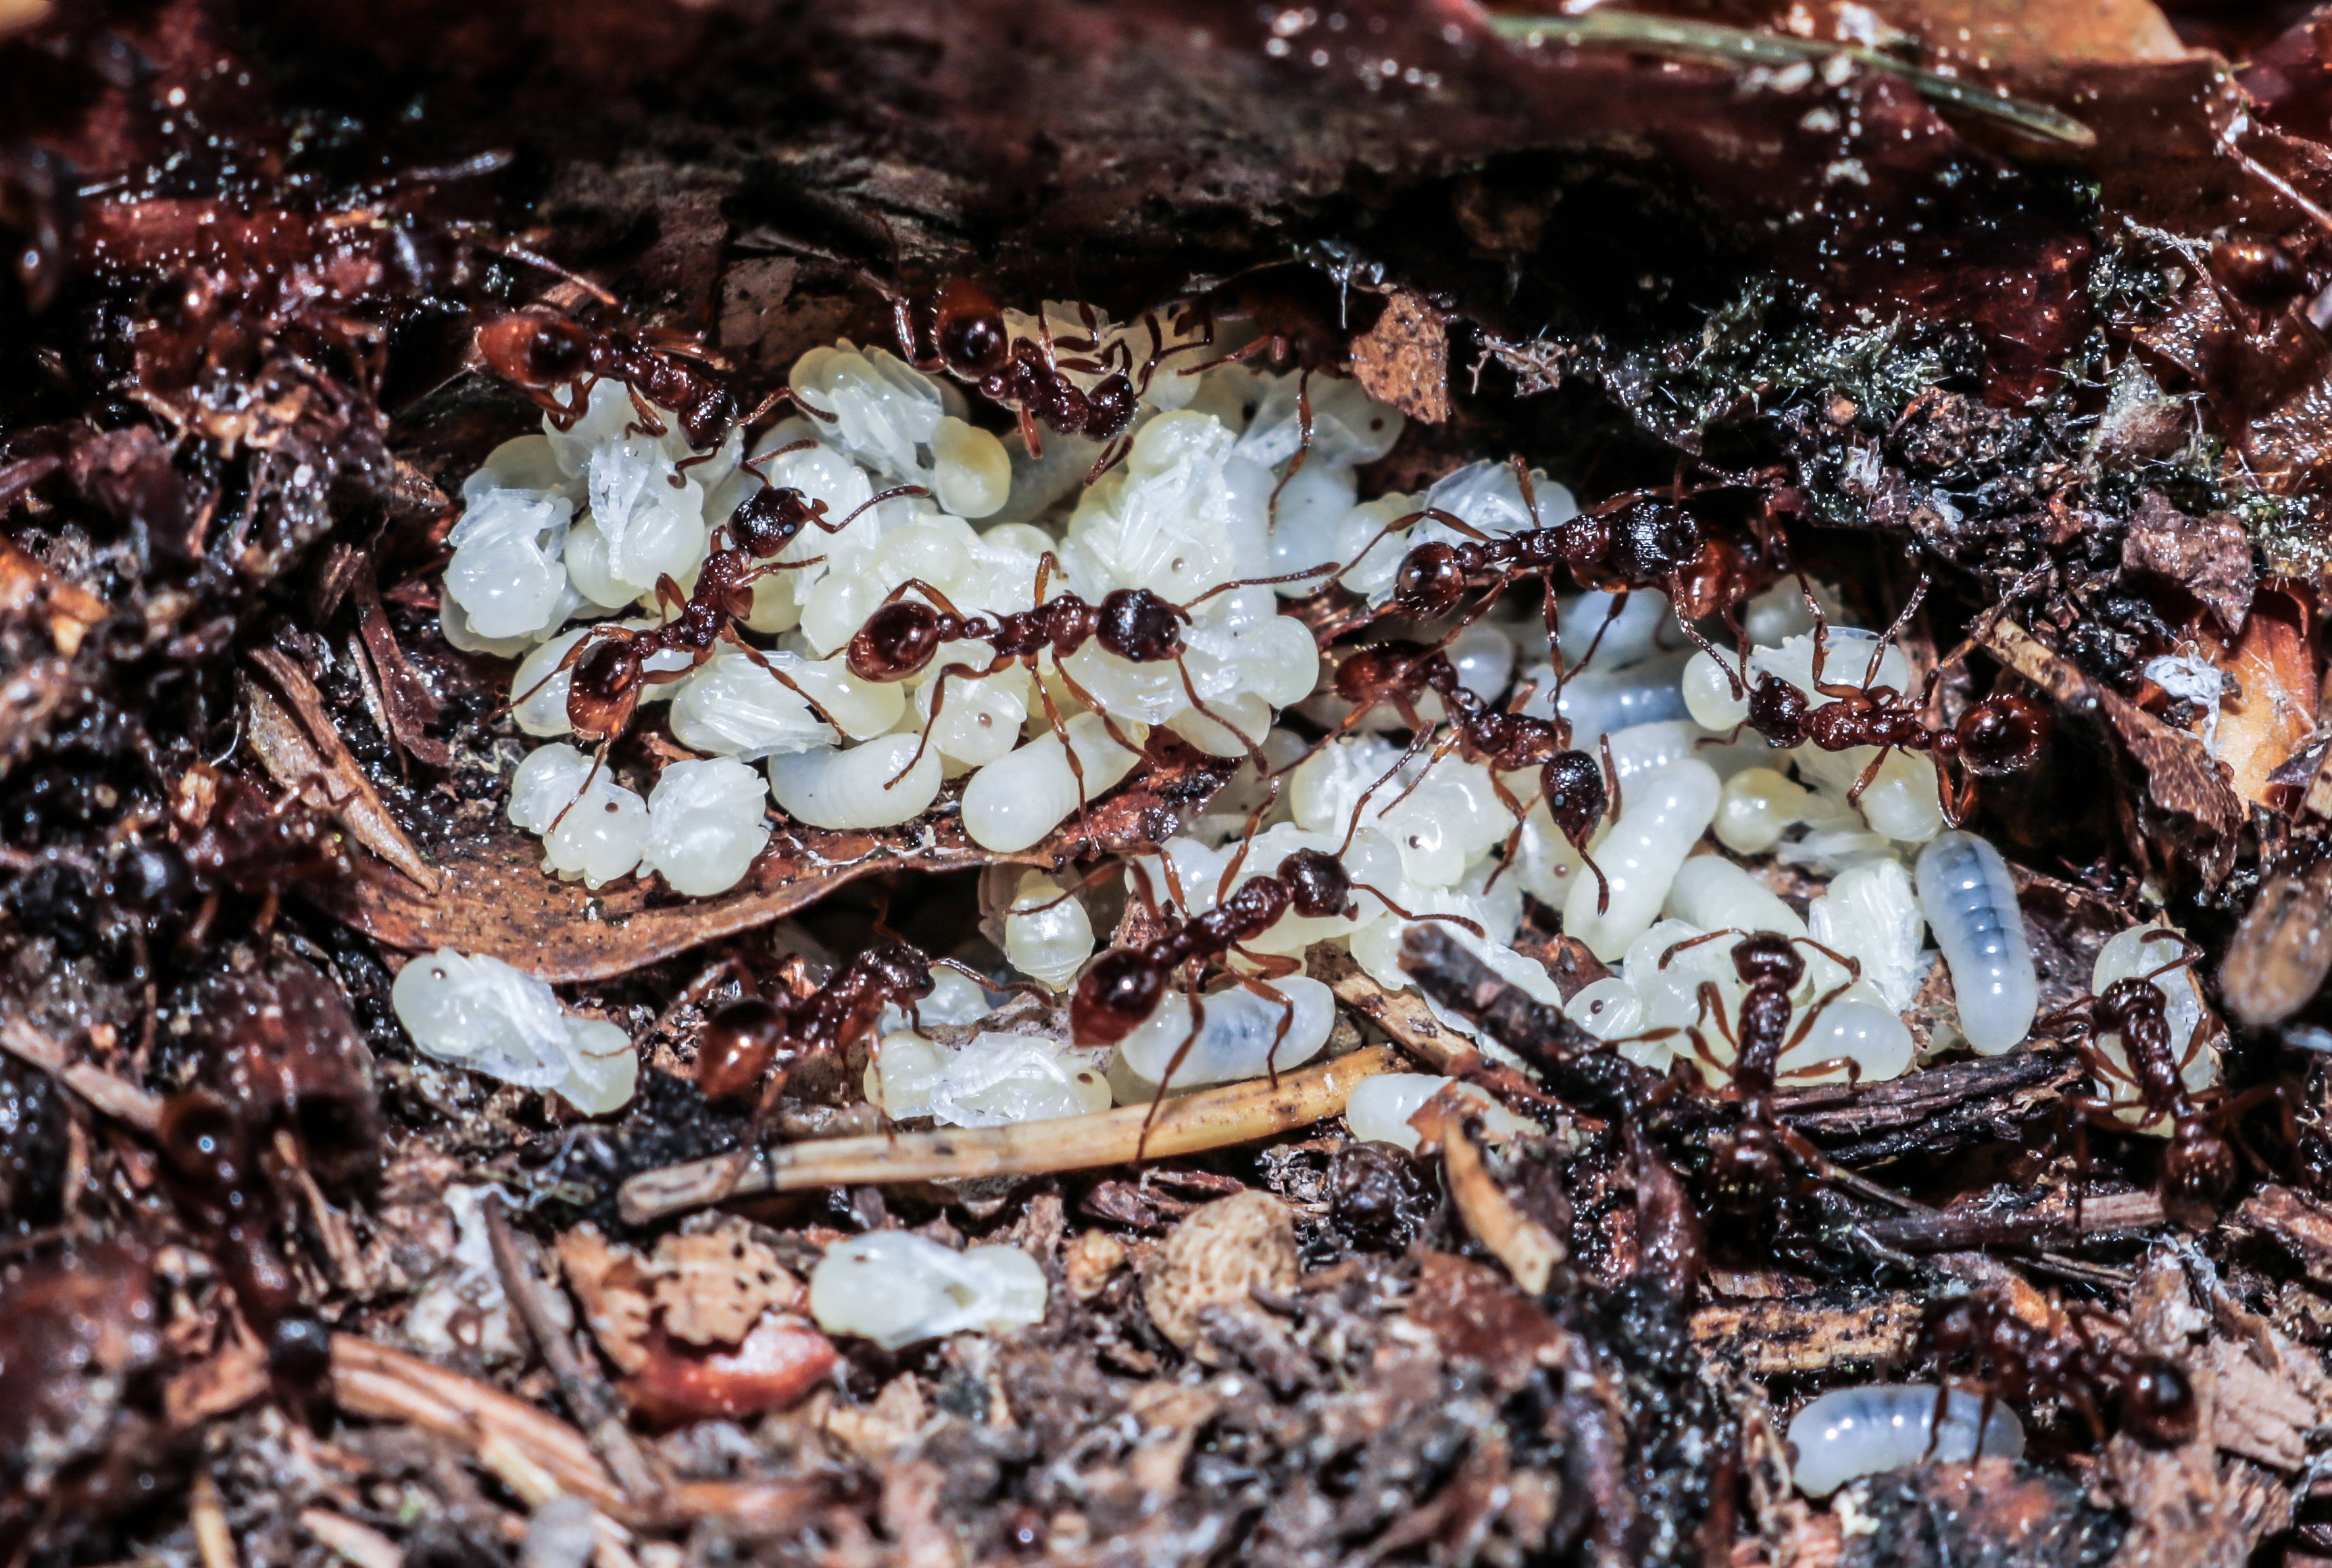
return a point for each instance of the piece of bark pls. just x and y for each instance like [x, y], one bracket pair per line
[1772, 1338]
[1529, 1249]
[1404, 358]
[1932, 1111]
[2301, 1226]
[306, 756]
[1402, 1014]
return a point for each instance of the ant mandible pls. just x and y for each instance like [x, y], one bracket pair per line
[2150, 1394]
[2001, 734]
[2198, 1167]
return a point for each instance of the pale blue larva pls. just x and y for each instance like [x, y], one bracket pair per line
[1970, 902]
[1852, 1432]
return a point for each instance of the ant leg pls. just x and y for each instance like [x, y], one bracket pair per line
[599, 759]
[877, 499]
[1692, 635]
[939, 701]
[1108, 724]
[749, 1146]
[1173, 1064]
[1903, 620]
[1273, 967]
[731, 635]
[1303, 444]
[1854, 795]
[1254, 751]
[648, 424]
[1247, 840]
[1060, 733]
[1458, 920]
[938, 600]
[1110, 456]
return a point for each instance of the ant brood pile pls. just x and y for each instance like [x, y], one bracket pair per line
[878, 600]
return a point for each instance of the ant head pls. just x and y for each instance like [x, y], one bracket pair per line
[151, 882]
[2001, 734]
[1431, 582]
[766, 521]
[897, 640]
[203, 1142]
[2158, 1403]
[1653, 539]
[1108, 407]
[1747, 1170]
[1576, 795]
[1777, 711]
[739, 1042]
[904, 974]
[536, 351]
[1136, 624]
[1121, 990]
[1317, 883]
[968, 329]
[2198, 1169]
[2124, 1001]
[1768, 958]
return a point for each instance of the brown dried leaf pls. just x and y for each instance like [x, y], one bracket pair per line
[410, 704]
[306, 754]
[497, 899]
[2209, 557]
[780, 1361]
[1404, 358]
[2274, 670]
[613, 1285]
[713, 1287]
[30, 588]
[2179, 767]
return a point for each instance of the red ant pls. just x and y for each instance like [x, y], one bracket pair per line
[2198, 1167]
[753, 1037]
[1577, 792]
[1749, 1168]
[540, 352]
[970, 341]
[2149, 1394]
[609, 663]
[1123, 988]
[903, 636]
[2001, 734]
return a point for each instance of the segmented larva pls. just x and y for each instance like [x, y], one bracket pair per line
[1970, 902]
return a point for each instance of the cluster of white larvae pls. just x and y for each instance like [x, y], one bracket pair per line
[569, 525]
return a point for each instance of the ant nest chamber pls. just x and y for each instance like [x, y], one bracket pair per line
[876, 612]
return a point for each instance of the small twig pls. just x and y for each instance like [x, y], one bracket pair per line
[1529, 1249]
[589, 1398]
[1960, 1230]
[359, 1545]
[121, 1100]
[214, 1541]
[1214, 1118]
[1401, 1014]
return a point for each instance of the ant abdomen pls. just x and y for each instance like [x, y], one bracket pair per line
[1116, 994]
[740, 1042]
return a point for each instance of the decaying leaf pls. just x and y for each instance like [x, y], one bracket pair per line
[2272, 709]
[497, 899]
[1773, 1338]
[305, 754]
[713, 1286]
[2209, 557]
[1404, 358]
[1215, 1259]
[29, 588]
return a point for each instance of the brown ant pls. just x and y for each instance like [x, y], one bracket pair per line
[230, 838]
[2001, 734]
[753, 1039]
[904, 635]
[2150, 1395]
[965, 327]
[2198, 1167]
[1577, 792]
[540, 353]
[1121, 989]
[609, 663]
[1749, 1168]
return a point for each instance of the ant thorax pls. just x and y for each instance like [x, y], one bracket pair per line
[2148, 953]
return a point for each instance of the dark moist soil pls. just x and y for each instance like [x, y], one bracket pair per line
[2079, 387]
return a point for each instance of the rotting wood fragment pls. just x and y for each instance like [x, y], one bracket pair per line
[1773, 1337]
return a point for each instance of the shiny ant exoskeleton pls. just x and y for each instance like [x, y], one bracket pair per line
[903, 636]
[1121, 989]
[755, 1041]
[608, 663]
[970, 341]
[2004, 733]
[1578, 792]
[2149, 1395]
[540, 353]
[2198, 1166]
[1750, 1169]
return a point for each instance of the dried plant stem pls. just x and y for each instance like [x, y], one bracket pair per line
[1209, 1119]
[359, 1545]
[118, 1098]
[589, 1398]
[1402, 1014]
[1529, 1249]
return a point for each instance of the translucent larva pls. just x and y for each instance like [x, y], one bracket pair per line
[862, 787]
[1852, 1432]
[1970, 902]
[1665, 814]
